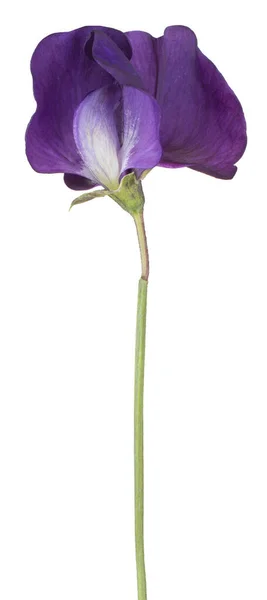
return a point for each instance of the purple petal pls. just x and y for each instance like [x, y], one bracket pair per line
[96, 136]
[116, 131]
[226, 172]
[109, 56]
[141, 148]
[63, 74]
[202, 125]
[77, 182]
[144, 58]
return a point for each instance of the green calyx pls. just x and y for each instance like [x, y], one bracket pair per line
[129, 195]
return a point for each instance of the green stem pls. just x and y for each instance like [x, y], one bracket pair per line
[138, 409]
[141, 234]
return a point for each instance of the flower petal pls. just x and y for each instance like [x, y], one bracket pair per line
[96, 136]
[77, 182]
[109, 56]
[63, 74]
[202, 125]
[141, 148]
[144, 58]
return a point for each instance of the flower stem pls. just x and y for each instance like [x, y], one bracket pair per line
[141, 234]
[138, 408]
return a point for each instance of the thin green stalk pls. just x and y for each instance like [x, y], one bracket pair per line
[138, 409]
[141, 234]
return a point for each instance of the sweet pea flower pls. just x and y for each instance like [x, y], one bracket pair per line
[110, 104]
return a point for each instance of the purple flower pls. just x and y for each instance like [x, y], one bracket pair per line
[111, 103]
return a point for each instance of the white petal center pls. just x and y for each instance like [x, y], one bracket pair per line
[96, 137]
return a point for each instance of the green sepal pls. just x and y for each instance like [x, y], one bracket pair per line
[86, 197]
[145, 173]
[130, 194]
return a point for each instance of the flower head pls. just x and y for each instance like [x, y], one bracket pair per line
[112, 103]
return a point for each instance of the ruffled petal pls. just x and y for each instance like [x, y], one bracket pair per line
[141, 147]
[64, 72]
[202, 125]
[144, 58]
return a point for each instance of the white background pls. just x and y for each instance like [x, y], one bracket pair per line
[68, 301]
